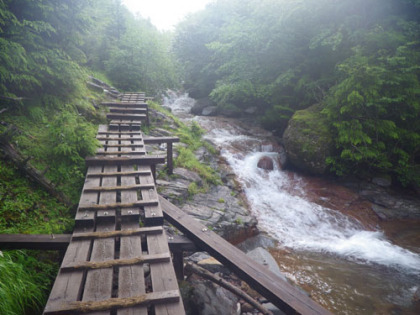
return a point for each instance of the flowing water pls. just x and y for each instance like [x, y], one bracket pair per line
[343, 265]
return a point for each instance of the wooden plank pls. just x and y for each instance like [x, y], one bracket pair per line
[121, 125]
[124, 133]
[153, 214]
[123, 110]
[35, 241]
[130, 145]
[141, 160]
[163, 276]
[178, 243]
[68, 286]
[100, 152]
[118, 303]
[275, 289]
[137, 117]
[118, 205]
[98, 285]
[158, 140]
[117, 262]
[134, 173]
[133, 138]
[131, 280]
[127, 232]
[119, 188]
[126, 105]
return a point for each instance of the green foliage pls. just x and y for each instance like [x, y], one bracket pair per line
[131, 51]
[187, 159]
[379, 106]
[25, 208]
[194, 189]
[357, 58]
[22, 287]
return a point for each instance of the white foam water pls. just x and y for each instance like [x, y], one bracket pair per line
[299, 224]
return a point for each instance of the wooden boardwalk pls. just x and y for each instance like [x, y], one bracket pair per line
[112, 265]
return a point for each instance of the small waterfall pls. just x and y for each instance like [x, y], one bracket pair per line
[302, 225]
[349, 269]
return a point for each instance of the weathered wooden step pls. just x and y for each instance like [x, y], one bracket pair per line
[123, 133]
[128, 110]
[157, 140]
[119, 205]
[120, 125]
[79, 307]
[85, 265]
[133, 138]
[133, 117]
[126, 105]
[141, 160]
[120, 188]
[135, 173]
[123, 145]
[121, 153]
[121, 233]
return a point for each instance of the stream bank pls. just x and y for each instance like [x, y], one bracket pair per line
[328, 238]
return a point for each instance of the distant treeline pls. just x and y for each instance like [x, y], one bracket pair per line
[359, 59]
[44, 46]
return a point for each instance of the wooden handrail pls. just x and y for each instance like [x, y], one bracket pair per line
[282, 294]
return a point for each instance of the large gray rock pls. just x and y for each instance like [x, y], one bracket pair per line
[200, 104]
[262, 256]
[213, 299]
[222, 212]
[209, 111]
[308, 141]
[266, 163]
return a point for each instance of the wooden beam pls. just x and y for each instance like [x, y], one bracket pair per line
[134, 138]
[169, 148]
[137, 133]
[158, 140]
[284, 295]
[120, 188]
[157, 258]
[118, 205]
[121, 152]
[80, 307]
[177, 243]
[125, 105]
[35, 241]
[123, 145]
[123, 110]
[135, 173]
[138, 117]
[141, 160]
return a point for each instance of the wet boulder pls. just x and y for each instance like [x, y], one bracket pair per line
[308, 141]
[209, 111]
[200, 104]
[266, 163]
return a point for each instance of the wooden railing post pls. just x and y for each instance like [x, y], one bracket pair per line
[169, 157]
[178, 261]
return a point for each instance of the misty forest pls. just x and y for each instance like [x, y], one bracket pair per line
[334, 83]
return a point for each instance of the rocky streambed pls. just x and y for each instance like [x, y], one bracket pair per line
[353, 246]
